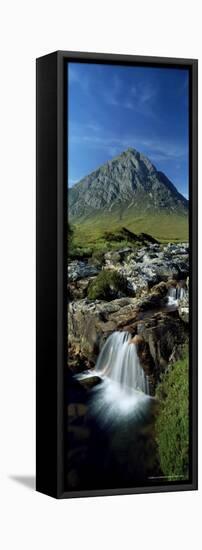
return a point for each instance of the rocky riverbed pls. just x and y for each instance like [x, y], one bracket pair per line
[154, 306]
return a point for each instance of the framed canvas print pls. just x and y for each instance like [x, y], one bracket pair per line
[116, 274]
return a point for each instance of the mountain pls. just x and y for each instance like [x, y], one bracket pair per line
[127, 183]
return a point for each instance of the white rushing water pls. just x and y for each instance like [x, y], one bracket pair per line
[119, 361]
[175, 294]
[124, 390]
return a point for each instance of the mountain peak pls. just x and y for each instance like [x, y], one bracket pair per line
[131, 151]
[128, 181]
[138, 159]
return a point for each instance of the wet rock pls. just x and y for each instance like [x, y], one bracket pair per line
[183, 310]
[163, 333]
[78, 362]
[137, 339]
[90, 382]
[91, 322]
[150, 301]
[178, 293]
[161, 289]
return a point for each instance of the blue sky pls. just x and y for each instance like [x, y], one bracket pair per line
[111, 108]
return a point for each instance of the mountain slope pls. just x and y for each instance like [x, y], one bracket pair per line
[125, 186]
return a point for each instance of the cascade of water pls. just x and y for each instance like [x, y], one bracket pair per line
[172, 295]
[175, 294]
[181, 293]
[118, 360]
[172, 292]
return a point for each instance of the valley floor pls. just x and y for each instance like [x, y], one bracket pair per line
[91, 232]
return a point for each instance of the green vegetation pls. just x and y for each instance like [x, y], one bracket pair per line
[100, 232]
[70, 234]
[106, 286]
[98, 257]
[73, 251]
[77, 248]
[172, 424]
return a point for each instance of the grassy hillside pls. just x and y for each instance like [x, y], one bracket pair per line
[163, 227]
[172, 425]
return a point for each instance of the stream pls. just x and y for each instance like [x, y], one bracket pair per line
[120, 450]
[112, 437]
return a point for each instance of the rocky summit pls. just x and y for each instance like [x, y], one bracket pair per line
[128, 182]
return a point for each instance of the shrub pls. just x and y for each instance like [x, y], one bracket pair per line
[107, 286]
[172, 424]
[98, 257]
[79, 253]
[70, 235]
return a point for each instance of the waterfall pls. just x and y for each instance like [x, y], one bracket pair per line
[181, 292]
[124, 389]
[119, 361]
[175, 294]
[172, 293]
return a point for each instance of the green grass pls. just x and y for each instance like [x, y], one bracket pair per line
[163, 227]
[172, 424]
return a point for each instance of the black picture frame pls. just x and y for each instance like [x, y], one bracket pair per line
[51, 278]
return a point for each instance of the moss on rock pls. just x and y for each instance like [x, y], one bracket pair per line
[108, 285]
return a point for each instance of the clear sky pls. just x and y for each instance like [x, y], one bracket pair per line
[111, 108]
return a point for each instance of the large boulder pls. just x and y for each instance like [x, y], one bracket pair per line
[89, 323]
[164, 333]
[81, 269]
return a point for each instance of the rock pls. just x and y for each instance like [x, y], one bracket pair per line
[137, 339]
[162, 332]
[90, 382]
[147, 363]
[112, 258]
[153, 270]
[177, 353]
[78, 289]
[150, 301]
[183, 310]
[89, 323]
[161, 289]
[80, 270]
[178, 292]
[150, 265]
[77, 362]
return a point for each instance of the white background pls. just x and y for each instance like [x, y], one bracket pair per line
[28, 30]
